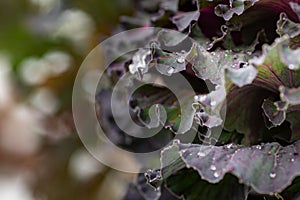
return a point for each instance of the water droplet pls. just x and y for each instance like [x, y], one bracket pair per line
[183, 151]
[292, 67]
[258, 147]
[180, 60]
[201, 154]
[216, 174]
[292, 160]
[213, 167]
[209, 46]
[233, 66]
[272, 175]
[202, 98]
[157, 189]
[176, 141]
[213, 103]
[171, 70]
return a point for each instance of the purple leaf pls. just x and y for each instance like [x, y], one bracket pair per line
[267, 168]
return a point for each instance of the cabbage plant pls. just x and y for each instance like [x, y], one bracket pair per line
[242, 59]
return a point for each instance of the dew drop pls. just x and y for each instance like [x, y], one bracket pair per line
[209, 46]
[292, 160]
[176, 141]
[201, 154]
[258, 147]
[229, 146]
[171, 70]
[272, 175]
[216, 174]
[292, 67]
[180, 60]
[202, 98]
[213, 103]
[213, 167]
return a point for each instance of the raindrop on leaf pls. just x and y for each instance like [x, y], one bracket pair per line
[292, 67]
[272, 175]
[202, 98]
[171, 70]
[201, 154]
[258, 147]
[180, 60]
[213, 103]
[213, 167]
[216, 174]
[176, 141]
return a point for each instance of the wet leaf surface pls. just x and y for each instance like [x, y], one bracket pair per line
[263, 167]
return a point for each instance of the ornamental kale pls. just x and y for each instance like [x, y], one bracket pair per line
[241, 59]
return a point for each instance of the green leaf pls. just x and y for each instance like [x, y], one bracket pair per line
[172, 38]
[290, 96]
[176, 115]
[235, 7]
[212, 65]
[276, 112]
[183, 20]
[171, 5]
[286, 26]
[188, 185]
[244, 111]
[169, 63]
[273, 73]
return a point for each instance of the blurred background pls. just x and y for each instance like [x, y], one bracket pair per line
[42, 45]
